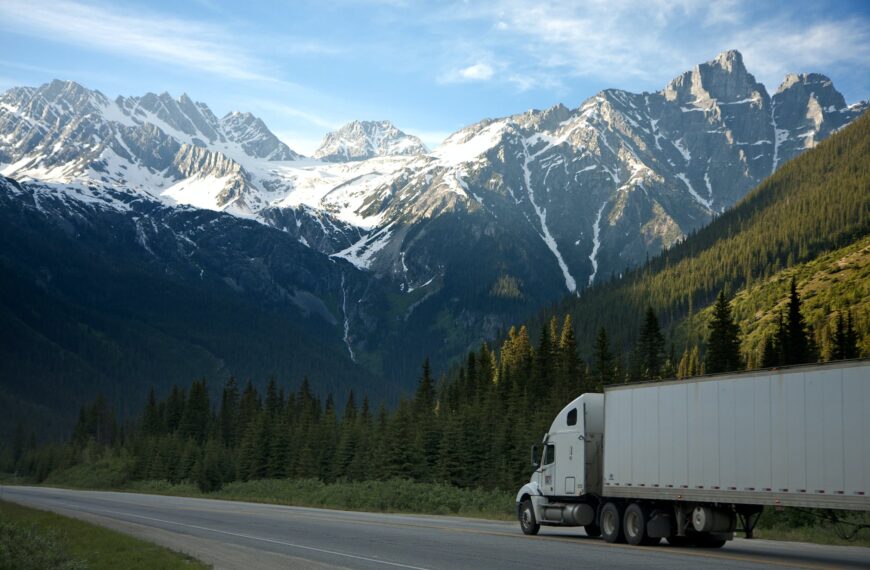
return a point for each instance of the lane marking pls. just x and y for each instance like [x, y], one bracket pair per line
[262, 539]
[578, 540]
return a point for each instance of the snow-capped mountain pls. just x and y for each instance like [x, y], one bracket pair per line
[154, 145]
[359, 140]
[504, 216]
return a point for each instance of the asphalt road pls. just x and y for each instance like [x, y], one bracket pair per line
[250, 536]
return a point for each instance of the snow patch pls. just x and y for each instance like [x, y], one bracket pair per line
[361, 253]
[346, 320]
[570, 283]
[695, 195]
[596, 243]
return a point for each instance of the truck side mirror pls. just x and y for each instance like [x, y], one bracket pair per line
[536, 454]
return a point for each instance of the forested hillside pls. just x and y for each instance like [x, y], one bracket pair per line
[832, 287]
[818, 202]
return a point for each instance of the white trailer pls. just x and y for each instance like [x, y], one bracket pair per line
[685, 459]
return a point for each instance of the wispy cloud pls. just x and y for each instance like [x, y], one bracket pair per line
[646, 41]
[291, 112]
[777, 48]
[480, 71]
[181, 43]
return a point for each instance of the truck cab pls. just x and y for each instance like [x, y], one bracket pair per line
[564, 488]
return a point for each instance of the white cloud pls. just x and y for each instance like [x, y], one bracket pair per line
[181, 43]
[774, 49]
[295, 113]
[477, 72]
[643, 43]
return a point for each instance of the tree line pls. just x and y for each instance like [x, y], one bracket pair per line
[472, 427]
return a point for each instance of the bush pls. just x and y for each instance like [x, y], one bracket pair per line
[25, 548]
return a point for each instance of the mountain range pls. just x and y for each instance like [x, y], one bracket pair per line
[388, 251]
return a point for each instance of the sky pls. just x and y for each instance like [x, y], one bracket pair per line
[429, 67]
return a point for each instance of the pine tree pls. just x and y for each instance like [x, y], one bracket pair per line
[174, 409]
[541, 381]
[850, 339]
[571, 381]
[427, 433]
[696, 366]
[209, 477]
[769, 353]
[723, 342]
[197, 412]
[650, 347]
[348, 439]
[229, 413]
[797, 346]
[603, 360]
[152, 423]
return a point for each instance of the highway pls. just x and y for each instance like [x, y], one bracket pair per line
[238, 535]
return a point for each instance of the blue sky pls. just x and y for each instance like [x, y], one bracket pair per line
[430, 67]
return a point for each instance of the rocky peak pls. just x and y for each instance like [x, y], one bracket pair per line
[255, 138]
[359, 140]
[800, 88]
[721, 80]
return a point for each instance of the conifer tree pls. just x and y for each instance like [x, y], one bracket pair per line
[650, 347]
[228, 415]
[280, 449]
[769, 353]
[569, 371]
[196, 415]
[850, 338]
[360, 468]
[174, 409]
[542, 373]
[427, 433]
[603, 360]
[723, 342]
[696, 366]
[348, 440]
[797, 347]
[152, 423]
[209, 475]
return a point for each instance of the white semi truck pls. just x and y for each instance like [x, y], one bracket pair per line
[684, 460]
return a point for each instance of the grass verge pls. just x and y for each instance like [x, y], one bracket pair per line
[34, 539]
[394, 496]
[403, 496]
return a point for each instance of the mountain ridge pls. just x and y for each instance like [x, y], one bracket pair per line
[506, 216]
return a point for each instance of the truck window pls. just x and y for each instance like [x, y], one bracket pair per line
[549, 454]
[572, 417]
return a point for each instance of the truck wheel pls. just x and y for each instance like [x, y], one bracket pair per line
[611, 523]
[527, 518]
[634, 525]
[592, 530]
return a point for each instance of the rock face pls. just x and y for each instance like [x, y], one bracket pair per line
[547, 201]
[360, 140]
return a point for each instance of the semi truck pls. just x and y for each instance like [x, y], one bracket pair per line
[689, 460]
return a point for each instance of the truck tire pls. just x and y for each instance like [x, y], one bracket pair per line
[634, 526]
[610, 522]
[592, 530]
[528, 523]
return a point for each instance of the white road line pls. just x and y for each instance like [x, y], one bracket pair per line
[251, 537]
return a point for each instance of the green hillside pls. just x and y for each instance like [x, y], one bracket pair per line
[817, 203]
[830, 285]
